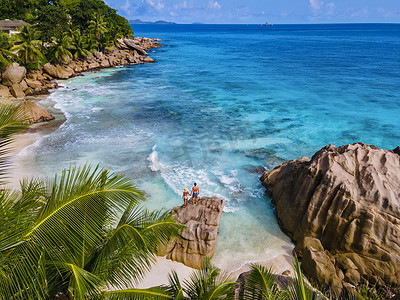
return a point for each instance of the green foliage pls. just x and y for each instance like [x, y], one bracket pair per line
[29, 46]
[52, 22]
[208, 283]
[260, 285]
[79, 45]
[77, 234]
[60, 49]
[6, 56]
[12, 121]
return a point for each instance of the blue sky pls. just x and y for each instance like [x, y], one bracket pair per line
[259, 11]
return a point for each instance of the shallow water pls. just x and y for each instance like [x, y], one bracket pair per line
[222, 99]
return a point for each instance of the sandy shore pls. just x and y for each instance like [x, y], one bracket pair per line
[23, 166]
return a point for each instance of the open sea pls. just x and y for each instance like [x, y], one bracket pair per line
[223, 100]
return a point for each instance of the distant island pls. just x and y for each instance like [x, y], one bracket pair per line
[138, 21]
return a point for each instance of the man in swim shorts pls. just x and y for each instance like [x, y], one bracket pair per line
[195, 193]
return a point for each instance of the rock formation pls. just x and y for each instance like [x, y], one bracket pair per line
[198, 240]
[342, 208]
[34, 113]
[17, 82]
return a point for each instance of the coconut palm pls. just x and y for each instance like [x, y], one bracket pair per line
[260, 285]
[60, 49]
[81, 234]
[79, 45]
[208, 283]
[98, 27]
[6, 56]
[29, 45]
[298, 288]
[12, 121]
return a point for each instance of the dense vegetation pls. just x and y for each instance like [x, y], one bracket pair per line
[81, 234]
[62, 29]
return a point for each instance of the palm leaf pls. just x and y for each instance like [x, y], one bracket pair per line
[154, 293]
[260, 284]
[12, 121]
[298, 289]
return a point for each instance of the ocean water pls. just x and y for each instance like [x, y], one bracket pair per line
[223, 100]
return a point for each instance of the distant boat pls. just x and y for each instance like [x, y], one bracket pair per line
[267, 24]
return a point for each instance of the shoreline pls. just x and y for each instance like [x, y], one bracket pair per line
[158, 274]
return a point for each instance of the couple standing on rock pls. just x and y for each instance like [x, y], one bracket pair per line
[195, 194]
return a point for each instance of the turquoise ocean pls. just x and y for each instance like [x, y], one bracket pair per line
[223, 100]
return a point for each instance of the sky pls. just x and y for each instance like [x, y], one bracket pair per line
[260, 11]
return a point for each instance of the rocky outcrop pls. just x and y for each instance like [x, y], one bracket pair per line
[58, 71]
[17, 82]
[4, 92]
[342, 208]
[14, 74]
[198, 240]
[34, 113]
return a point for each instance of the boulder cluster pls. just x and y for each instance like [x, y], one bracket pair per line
[199, 239]
[17, 82]
[342, 209]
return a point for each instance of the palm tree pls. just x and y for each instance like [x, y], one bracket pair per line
[208, 283]
[6, 56]
[261, 285]
[79, 45]
[60, 49]
[298, 288]
[12, 121]
[29, 45]
[81, 234]
[98, 27]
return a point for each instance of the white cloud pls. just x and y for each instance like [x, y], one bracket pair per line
[316, 4]
[126, 8]
[214, 5]
[157, 5]
[330, 4]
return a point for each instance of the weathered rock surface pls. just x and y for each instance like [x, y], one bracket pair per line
[198, 240]
[34, 113]
[348, 198]
[4, 91]
[17, 82]
[13, 74]
[17, 90]
[58, 71]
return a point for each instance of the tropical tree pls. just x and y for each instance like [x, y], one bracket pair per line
[6, 56]
[298, 288]
[97, 27]
[261, 285]
[79, 45]
[29, 46]
[60, 49]
[81, 234]
[208, 283]
[12, 121]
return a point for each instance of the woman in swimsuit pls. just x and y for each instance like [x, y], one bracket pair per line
[185, 196]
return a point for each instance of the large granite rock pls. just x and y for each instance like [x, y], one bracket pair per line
[128, 44]
[348, 198]
[198, 240]
[17, 90]
[13, 74]
[4, 92]
[34, 113]
[58, 71]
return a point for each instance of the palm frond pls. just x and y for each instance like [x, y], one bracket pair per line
[12, 121]
[298, 289]
[260, 284]
[154, 293]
